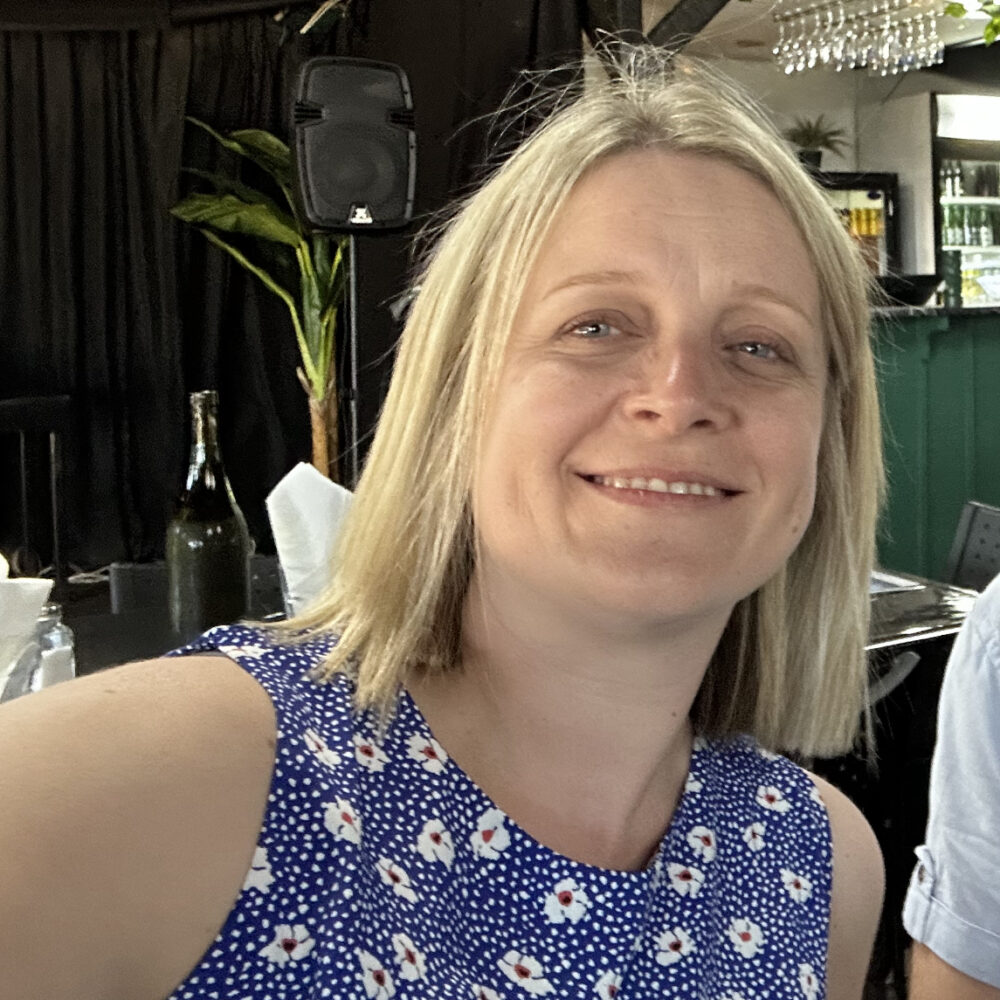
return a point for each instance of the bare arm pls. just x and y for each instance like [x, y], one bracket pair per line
[858, 887]
[130, 805]
[931, 978]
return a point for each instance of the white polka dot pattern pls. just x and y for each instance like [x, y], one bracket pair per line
[382, 871]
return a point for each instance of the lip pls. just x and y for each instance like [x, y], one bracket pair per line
[728, 489]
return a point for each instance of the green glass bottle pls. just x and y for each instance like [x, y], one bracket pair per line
[208, 547]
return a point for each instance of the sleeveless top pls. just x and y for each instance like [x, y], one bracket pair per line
[382, 871]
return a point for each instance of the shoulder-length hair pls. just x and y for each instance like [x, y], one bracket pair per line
[790, 668]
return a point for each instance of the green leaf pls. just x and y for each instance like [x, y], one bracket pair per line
[321, 258]
[955, 9]
[312, 326]
[230, 185]
[232, 215]
[991, 30]
[335, 282]
[258, 146]
[267, 151]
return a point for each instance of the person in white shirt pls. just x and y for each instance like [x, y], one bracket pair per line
[952, 909]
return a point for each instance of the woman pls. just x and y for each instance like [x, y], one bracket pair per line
[619, 510]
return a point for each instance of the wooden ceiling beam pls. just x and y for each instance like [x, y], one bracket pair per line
[676, 29]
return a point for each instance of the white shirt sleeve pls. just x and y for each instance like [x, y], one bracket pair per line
[953, 902]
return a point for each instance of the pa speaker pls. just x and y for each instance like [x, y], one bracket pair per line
[355, 147]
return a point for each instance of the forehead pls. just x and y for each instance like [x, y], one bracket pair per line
[675, 215]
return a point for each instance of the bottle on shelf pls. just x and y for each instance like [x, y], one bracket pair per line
[957, 186]
[945, 179]
[970, 231]
[985, 227]
[208, 546]
[951, 271]
[951, 225]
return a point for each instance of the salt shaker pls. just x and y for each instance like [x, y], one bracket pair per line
[58, 660]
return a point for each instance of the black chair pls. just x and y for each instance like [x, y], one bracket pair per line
[975, 552]
[51, 415]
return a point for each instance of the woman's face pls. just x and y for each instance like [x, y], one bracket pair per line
[651, 449]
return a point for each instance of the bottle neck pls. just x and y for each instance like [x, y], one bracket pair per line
[207, 493]
[205, 462]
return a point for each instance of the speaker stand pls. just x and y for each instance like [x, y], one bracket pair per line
[352, 350]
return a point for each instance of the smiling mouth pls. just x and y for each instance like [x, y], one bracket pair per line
[656, 485]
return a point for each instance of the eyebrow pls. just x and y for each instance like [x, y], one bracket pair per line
[769, 294]
[613, 277]
[596, 278]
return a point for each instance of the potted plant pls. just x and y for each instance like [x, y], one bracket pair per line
[979, 8]
[811, 136]
[232, 207]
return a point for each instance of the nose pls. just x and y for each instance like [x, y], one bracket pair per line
[681, 386]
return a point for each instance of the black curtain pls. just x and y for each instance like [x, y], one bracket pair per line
[108, 299]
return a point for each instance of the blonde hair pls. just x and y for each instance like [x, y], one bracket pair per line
[791, 668]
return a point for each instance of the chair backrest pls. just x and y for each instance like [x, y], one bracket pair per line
[975, 552]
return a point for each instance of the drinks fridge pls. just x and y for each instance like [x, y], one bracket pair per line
[866, 203]
[967, 194]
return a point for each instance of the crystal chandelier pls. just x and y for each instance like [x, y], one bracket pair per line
[882, 36]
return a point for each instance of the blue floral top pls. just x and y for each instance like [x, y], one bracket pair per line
[383, 871]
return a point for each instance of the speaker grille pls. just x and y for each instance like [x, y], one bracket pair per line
[355, 144]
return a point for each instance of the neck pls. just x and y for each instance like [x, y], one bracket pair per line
[578, 729]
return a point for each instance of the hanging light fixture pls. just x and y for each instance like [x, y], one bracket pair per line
[882, 36]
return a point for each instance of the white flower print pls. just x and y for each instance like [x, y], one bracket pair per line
[318, 746]
[567, 901]
[378, 982]
[753, 835]
[526, 972]
[685, 879]
[702, 842]
[368, 753]
[290, 944]
[252, 650]
[491, 836]
[435, 843]
[259, 877]
[397, 879]
[746, 936]
[808, 982]
[816, 795]
[767, 754]
[427, 752]
[692, 785]
[608, 985]
[772, 798]
[485, 993]
[411, 961]
[673, 945]
[342, 820]
[798, 886]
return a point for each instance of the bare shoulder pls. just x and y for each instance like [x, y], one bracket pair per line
[858, 888]
[131, 801]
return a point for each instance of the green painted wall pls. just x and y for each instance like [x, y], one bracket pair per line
[939, 378]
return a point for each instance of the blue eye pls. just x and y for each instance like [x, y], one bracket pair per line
[593, 330]
[758, 349]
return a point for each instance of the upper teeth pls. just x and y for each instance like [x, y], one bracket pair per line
[657, 485]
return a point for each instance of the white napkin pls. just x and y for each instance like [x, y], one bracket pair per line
[21, 602]
[306, 511]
